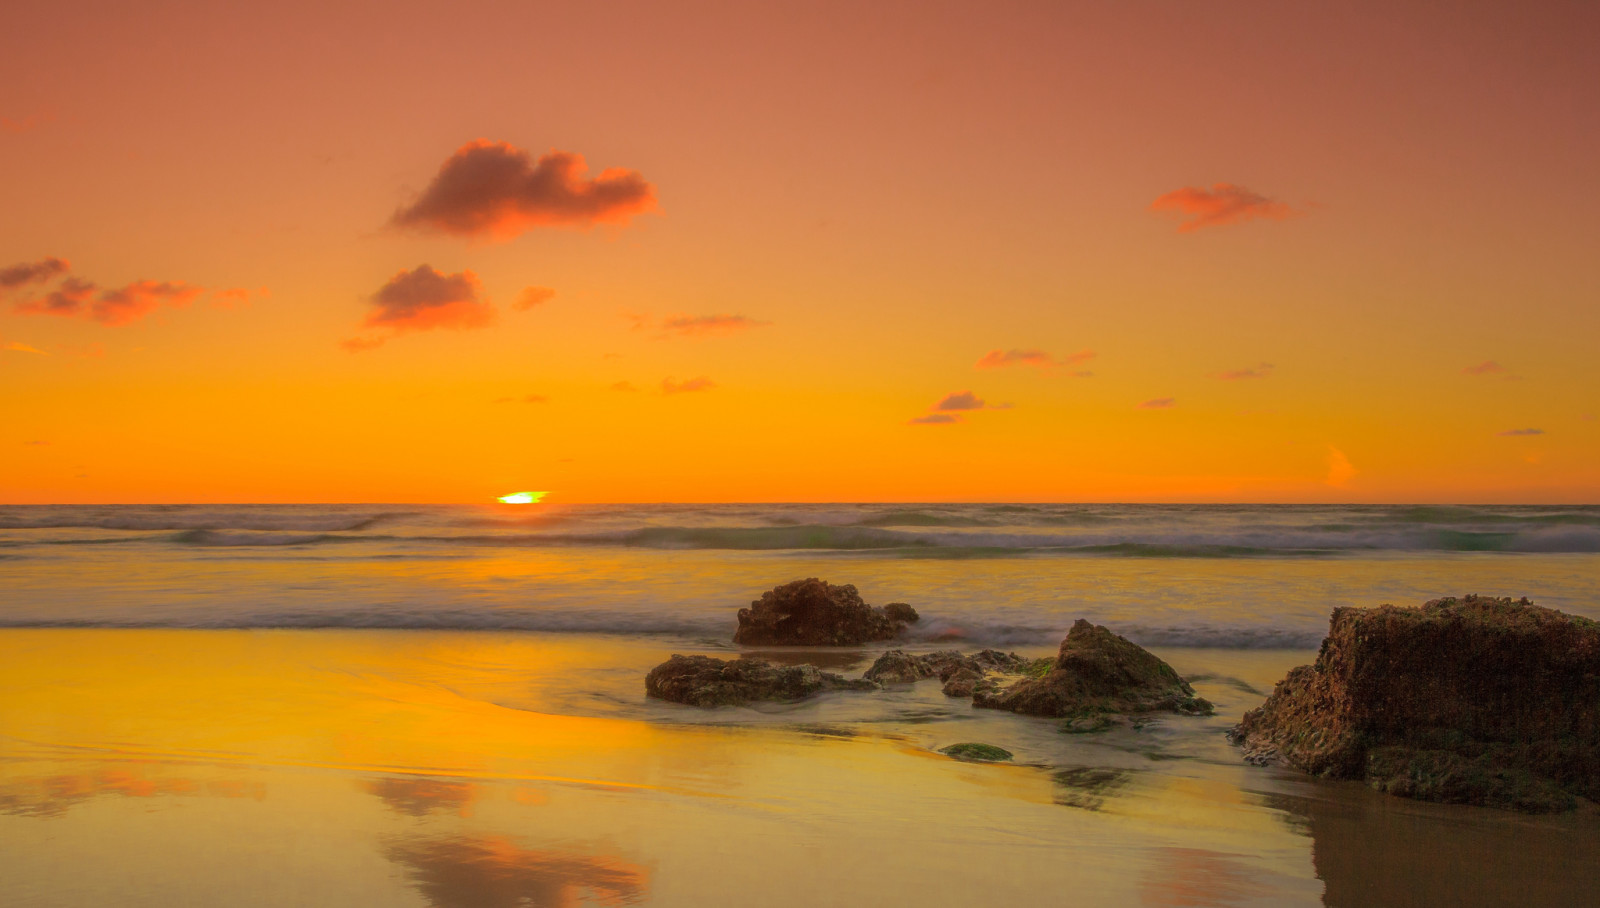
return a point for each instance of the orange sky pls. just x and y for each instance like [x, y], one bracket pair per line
[644, 252]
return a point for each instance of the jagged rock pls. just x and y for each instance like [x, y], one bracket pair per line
[812, 612]
[899, 666]
[1476, 700]
[706, 682]
[1097, 672]
[948, 666]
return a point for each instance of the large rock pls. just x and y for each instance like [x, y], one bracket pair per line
[1475, 700]
[1097, 672]
[813, 612]
[704, 681]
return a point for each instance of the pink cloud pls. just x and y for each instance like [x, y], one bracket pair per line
[1262, 370]
[140, 298]
[1000, 359]
[933, 419]
[1222, 204]
[27, 123]
[423, 299]
[236, 297]
[703, 325]
[497, 191]
[70, 299]
[1487, 367]
[669, 386]
[1513, 433]
[1159, 403]
[533, 296]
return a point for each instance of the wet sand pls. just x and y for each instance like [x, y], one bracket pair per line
[182, 767]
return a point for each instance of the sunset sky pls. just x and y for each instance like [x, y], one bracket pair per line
[837, 252]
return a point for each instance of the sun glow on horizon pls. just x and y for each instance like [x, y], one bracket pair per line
[522, 497]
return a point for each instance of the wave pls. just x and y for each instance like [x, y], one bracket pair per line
[331, 523]
[932, 633]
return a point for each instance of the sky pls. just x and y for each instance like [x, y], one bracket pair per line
[1120, 251]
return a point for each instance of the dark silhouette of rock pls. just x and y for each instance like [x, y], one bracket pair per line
[1097, 672]
[706, 682]
[813, 612]
[1476, 700]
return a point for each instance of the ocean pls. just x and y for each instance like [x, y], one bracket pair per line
[443, 706]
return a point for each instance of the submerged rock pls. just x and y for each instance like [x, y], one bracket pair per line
[1476, 700]
[960, 674]
[973, 752]
[813, 612]
[1097, 672]
[706, 682]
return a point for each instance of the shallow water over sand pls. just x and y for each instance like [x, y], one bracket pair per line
[346, 767]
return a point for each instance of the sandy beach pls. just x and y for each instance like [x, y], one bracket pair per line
[272, 767]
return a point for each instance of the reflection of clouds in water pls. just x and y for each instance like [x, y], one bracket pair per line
[419, 797]
[491, 872]
[1087, 787]
[1197, 878]
[53, 796]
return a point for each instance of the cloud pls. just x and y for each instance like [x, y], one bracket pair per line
[624, 386]
[497, 191]
[669, 386]
[1262, 370]
[934, 419]
[140, 298]
[423, 299]
[19, 347]
[964, 400]
[1514, 433]
[1000, 359]
[1222, 204]
[70, 299]
[704, 325]
[26, 124]
[533, 296]
[1340, 470]
[1159, 403]
[236, 297]
[1490, 367]
[525, 399]
[43, 271]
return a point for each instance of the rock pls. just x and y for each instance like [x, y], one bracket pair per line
[812, 612]
[1097, 672]
[977, 753]
[1476, 700]
[706, 682]
[948, 666]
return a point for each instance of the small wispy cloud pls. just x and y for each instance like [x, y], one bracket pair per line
[1340, 470]
[1261, 370]
[706, 325]
[533, 296]
[1490, 368]
[934, 419]
[1514, 433]
[1000, 359]
[19, 347]
[1159, 403]
[623, 386]
[524, 399]
[961, 400]
[1219, 206]
[688, 386]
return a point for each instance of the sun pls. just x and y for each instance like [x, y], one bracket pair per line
[522, 497]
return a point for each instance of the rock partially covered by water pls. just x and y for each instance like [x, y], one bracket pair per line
[813, 612]
[961, 674]
[1476, 700]
[707, 682]
[1097, 672]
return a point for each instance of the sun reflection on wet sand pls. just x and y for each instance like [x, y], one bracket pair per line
[493, 872]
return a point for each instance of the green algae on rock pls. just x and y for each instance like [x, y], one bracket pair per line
[1097, 672]
[1478, 700]
[973, 752]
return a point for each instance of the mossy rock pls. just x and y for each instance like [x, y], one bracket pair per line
[977, 753]
[1088, 725]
